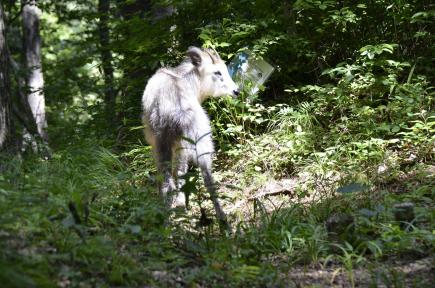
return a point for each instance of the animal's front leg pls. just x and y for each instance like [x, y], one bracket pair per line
[205, 166]
[204, 152]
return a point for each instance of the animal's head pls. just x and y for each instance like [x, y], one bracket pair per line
[213, 73]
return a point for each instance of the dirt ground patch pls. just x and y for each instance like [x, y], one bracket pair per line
[419, 273]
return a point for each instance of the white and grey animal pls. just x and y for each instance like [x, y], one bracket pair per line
[176, 125]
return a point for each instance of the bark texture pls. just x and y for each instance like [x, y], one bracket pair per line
[5, 103]
[106, 62]
[35, 79]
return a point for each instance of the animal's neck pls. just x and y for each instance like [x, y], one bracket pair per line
[202, 96]
[203, 92]
[188, 72]
[195, 84]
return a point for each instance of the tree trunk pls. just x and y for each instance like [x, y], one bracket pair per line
[35, 80]
[106, 63]
[21, 108]
[5, 93]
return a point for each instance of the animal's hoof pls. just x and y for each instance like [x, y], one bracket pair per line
[179, 201]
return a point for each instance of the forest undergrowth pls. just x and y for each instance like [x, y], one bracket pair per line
[359, 207]
[89, 217]
[326, 174]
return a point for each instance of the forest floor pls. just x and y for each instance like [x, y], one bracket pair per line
[415, 270]
[87, 219]
[390, 273]
[409, 269]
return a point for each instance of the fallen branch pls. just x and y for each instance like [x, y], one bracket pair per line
[271, 193]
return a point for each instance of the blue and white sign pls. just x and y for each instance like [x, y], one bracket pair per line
[246, 69]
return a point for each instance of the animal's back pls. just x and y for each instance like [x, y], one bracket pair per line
[169, 104]
[160, 93]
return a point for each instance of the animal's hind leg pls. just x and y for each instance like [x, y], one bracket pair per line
[182, 167]
[164, 166]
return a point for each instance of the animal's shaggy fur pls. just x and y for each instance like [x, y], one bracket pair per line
[177, 126]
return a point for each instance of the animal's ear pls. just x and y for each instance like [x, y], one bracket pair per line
[195, 55]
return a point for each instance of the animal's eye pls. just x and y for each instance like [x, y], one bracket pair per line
[218, 73]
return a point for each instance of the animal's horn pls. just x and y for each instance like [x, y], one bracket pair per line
[213, 55]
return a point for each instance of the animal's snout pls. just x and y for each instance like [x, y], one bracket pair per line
[236, 92]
